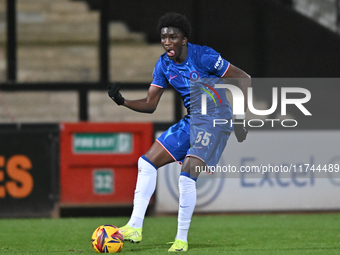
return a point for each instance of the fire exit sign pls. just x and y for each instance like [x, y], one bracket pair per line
[102, 143]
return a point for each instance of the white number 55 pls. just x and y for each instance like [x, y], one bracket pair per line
[204, 139]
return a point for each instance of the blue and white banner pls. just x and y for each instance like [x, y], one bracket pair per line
[270, 171]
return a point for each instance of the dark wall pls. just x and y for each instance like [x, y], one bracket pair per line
[265, 38]
[295, 46]
[29, 169]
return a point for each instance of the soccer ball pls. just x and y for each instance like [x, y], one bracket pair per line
[107, 239]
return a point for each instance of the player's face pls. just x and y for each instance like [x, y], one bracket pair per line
[174, 43]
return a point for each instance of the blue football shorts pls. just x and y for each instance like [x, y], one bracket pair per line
[196, 137]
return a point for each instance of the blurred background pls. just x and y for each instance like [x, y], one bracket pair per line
[58, 57]
[67, 41]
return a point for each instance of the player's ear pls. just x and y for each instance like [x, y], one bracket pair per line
[184, 41]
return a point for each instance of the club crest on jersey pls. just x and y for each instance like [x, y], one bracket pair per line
[194, 76]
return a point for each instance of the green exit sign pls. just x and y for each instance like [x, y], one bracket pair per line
[102, 143]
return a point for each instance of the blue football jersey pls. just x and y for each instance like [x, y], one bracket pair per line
[199, 71]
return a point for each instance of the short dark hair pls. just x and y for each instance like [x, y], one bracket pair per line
[173, 19]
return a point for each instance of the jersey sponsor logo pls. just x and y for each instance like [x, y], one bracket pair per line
[219, 63]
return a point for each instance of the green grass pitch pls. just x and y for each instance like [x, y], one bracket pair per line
[209, 234]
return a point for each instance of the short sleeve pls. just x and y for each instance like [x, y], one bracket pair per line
[159, 79]
[213, 62]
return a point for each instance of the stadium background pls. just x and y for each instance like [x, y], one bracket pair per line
[54, 70]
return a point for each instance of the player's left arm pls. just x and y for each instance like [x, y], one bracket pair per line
[243, 81]
[221, 67]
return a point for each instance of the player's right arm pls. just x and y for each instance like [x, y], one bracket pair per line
[146, 105]
[150, 102]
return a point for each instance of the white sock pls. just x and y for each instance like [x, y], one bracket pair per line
[187, 202]
[145, 187]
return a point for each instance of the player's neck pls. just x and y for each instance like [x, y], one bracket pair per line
[181, 58]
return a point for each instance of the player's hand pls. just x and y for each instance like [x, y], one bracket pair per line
[240, 131]
[114, 93]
